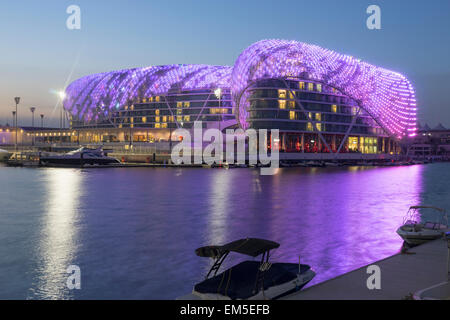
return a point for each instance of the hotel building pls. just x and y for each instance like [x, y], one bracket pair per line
[321, 101]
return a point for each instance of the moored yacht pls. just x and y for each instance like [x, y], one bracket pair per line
[4, 155]
[82, 156]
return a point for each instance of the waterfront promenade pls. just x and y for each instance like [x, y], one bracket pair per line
[402, 275]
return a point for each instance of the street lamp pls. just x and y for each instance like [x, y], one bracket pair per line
[62, 96]
[130, 102]
[42, 120]
[16, 100]
[32, 109]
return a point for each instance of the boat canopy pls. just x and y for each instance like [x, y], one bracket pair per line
[251, 246]
[427, 207]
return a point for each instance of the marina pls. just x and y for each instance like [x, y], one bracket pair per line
[104, 220]
[227, 151]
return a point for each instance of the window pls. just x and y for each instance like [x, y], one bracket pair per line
[156, 119]
[309, 126]
[144, 119]
[319, 126]
[319, 87]
[334, 108]
[301, 85]
[131, 120]
[179, 104]
[310, 86]
[170, 118]
[164, 118]
[291, 95]
[353, 143]
[157, 112]
[150, 99]
[144, 100]
[291, 104]
[157, 98]
[282, 104]
[282, 94]
[179, 118]
[187, 104]
[157, 125]
[163, 125]
[292, 115]
[187, 118]
[318, 117]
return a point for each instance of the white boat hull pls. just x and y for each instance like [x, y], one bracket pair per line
[419, 237]
[4, 155]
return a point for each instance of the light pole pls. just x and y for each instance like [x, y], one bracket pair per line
[129, 122]
[16, 100]
[14, 119]
[32, 109]
[42, 120]
[218, 93]
[62, 95]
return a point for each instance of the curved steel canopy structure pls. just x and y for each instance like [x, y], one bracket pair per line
[97, 94]
[386, 96]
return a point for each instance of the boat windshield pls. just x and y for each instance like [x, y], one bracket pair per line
[75, 151]
[426, 214]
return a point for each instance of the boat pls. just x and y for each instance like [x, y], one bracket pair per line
[4, 155]
[249, 280]
[82, 156]
[332, 164]
[414, 231]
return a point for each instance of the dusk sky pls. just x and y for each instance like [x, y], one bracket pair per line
[40, 55]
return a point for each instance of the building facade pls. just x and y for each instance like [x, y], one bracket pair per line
[319, 100]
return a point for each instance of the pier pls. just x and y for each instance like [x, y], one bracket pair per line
[403, 276]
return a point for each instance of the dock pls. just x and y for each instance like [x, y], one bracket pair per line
[402, 276]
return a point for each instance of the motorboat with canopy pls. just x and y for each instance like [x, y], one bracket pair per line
[418, 228]
[258, 280]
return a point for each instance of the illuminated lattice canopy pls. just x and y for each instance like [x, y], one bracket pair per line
[385, 95]
[388, 97]
[96, 95]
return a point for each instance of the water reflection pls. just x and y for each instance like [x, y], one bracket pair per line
[134, 231]
[221, 184]
[59, 237]
[339, 221]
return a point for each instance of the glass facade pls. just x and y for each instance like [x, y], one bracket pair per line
[312, 117]
[174, 110]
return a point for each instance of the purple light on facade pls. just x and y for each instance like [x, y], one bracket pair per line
[93, 96]
[385, 95]
[388, 97]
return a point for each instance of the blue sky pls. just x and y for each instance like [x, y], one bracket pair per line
[40, 55]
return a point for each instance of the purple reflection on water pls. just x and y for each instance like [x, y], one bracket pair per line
[133, 232]
[335, 219]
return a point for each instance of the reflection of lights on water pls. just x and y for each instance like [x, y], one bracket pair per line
[220, 189]
[59, 233]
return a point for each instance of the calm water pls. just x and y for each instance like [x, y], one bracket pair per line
[133, 231]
